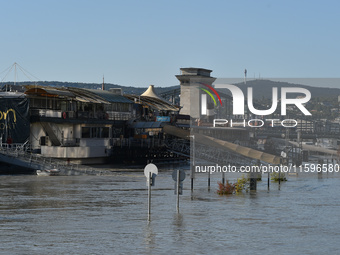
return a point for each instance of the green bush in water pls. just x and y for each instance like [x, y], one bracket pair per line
[275, 176]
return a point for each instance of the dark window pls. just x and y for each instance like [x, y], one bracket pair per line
[95, 132]
[85, 132]
[105, 132]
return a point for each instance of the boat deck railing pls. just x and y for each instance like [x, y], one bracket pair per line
[149, 142]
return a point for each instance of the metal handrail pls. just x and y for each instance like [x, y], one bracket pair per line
[20, 151]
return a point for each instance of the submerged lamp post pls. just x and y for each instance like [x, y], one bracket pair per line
[193, 161]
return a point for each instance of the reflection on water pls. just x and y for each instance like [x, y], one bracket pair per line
[108, 215]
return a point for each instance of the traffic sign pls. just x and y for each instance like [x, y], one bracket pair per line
[150, 172]
[150, 168]
[181, 175]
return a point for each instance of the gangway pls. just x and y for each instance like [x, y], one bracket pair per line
[18, 155]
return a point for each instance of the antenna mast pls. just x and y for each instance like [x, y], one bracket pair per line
[245, 76]
[15, 73]
[103, 87]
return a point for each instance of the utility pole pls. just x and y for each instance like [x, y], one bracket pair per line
[287, 146]
[193, 161]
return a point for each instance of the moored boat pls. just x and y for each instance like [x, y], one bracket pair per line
[48, 172]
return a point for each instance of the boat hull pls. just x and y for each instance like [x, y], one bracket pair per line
[48, 172]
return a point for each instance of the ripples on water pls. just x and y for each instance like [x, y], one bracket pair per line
[108, 215]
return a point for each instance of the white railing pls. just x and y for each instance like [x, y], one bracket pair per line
[20, 152]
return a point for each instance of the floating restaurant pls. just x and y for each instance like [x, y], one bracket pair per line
[93, 126]
[81, 125]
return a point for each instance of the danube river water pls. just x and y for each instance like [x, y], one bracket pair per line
[108, 215]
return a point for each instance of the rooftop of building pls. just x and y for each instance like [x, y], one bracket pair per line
[152, 100]
[78, 94]
[195, 71]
